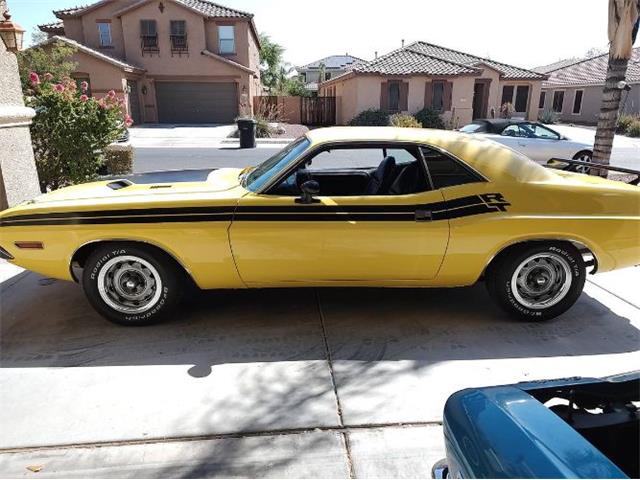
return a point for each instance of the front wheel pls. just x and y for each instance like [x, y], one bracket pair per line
[131, 285]
[537, 282]
[584, 156]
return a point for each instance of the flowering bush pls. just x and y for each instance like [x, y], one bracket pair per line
[71, 130]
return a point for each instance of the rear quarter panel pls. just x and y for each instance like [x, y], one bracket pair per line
[605, 220]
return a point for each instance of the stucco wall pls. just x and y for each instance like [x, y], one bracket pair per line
[591, 103]
[90, 28]
[18, 175]
[73, 29]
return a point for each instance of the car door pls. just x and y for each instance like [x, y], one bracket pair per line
[541, 143]
[340, 239]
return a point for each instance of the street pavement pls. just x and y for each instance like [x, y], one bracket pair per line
[275, 383]
[176, 148]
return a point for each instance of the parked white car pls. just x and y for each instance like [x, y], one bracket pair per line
[537, 141]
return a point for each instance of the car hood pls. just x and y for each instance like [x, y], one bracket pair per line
[137, 192]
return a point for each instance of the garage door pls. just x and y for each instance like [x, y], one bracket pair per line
[190, 102]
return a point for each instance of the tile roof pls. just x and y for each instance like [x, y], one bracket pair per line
[55, 27]
[339, 62]
[556, 65]
[406, 61]
[70, 11]
[90, 51]
[214, 9]
[205, 7]
[443, 53]
[592, 71]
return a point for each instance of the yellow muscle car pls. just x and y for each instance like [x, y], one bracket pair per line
[343, 206]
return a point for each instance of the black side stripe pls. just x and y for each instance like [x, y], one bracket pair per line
[459, 207]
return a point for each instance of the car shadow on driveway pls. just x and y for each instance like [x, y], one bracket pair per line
[52, 325]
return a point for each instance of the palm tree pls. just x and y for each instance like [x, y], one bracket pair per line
[623, 29]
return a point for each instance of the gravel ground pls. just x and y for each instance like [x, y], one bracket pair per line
[292, 130]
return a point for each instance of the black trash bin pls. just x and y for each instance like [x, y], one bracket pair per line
[247, 131]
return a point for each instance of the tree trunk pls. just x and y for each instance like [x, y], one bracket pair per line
[608, 117]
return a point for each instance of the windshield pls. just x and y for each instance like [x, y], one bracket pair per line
[255, 179]
[471, 128]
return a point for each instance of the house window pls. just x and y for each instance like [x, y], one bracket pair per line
[327, 76]
[522, 97]
[149, 36]
[558, 101]
[303, 77]
[437, 101]
[394, 96]
[577, 102]
[178, 36]
[507, 94]
[104, 34]
[226, 40]
[543, 98]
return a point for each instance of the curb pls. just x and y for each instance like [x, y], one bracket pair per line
[283, 141]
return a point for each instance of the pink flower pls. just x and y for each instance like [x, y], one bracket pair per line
[48, 77]
[128, 121]
[111, 94]
[34, 78]
[58, 87]
[84, 86]
[83, 98]
[102, 103]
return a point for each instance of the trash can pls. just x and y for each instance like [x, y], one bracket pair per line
[247, 131]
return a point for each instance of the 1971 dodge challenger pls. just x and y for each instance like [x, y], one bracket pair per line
[565, 428]
[343, 206]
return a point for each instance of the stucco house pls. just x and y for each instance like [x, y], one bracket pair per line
[329, 67]
[460, 85]
[574, 89]
[174, 61]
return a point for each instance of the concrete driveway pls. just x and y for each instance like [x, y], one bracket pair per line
[284, 383]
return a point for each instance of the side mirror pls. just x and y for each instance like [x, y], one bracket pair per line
[309, 189]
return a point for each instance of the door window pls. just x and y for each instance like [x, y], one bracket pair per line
[359, 171]
[535, 130]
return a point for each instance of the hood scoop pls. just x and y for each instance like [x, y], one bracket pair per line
[119, 184]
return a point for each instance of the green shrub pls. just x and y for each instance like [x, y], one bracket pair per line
[263, 129]
[71, 131]
[404, 120]
[118, 160]
[370, 118]
[548, 116]
[633, 130]
[430, 118]
[624, 122]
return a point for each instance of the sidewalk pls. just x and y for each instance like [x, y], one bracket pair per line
[191, 136]
[333, 383]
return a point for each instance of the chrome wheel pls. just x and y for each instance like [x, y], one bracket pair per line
[541, 281]
[129, 284]
[583, 157]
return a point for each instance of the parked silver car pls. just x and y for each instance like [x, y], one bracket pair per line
[537, 141]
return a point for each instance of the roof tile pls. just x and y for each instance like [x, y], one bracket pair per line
[206, 7]
[592, 71]
[407, 61]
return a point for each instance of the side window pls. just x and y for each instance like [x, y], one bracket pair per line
[513, 131]
[344, 158]
[445, 171]
[539, 131]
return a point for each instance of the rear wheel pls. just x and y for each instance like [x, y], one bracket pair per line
[131, 285]
[538, 281]
[584, 156]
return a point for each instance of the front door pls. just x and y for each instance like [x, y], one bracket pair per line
[134, 101]
[480, 98]
[371, 223]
